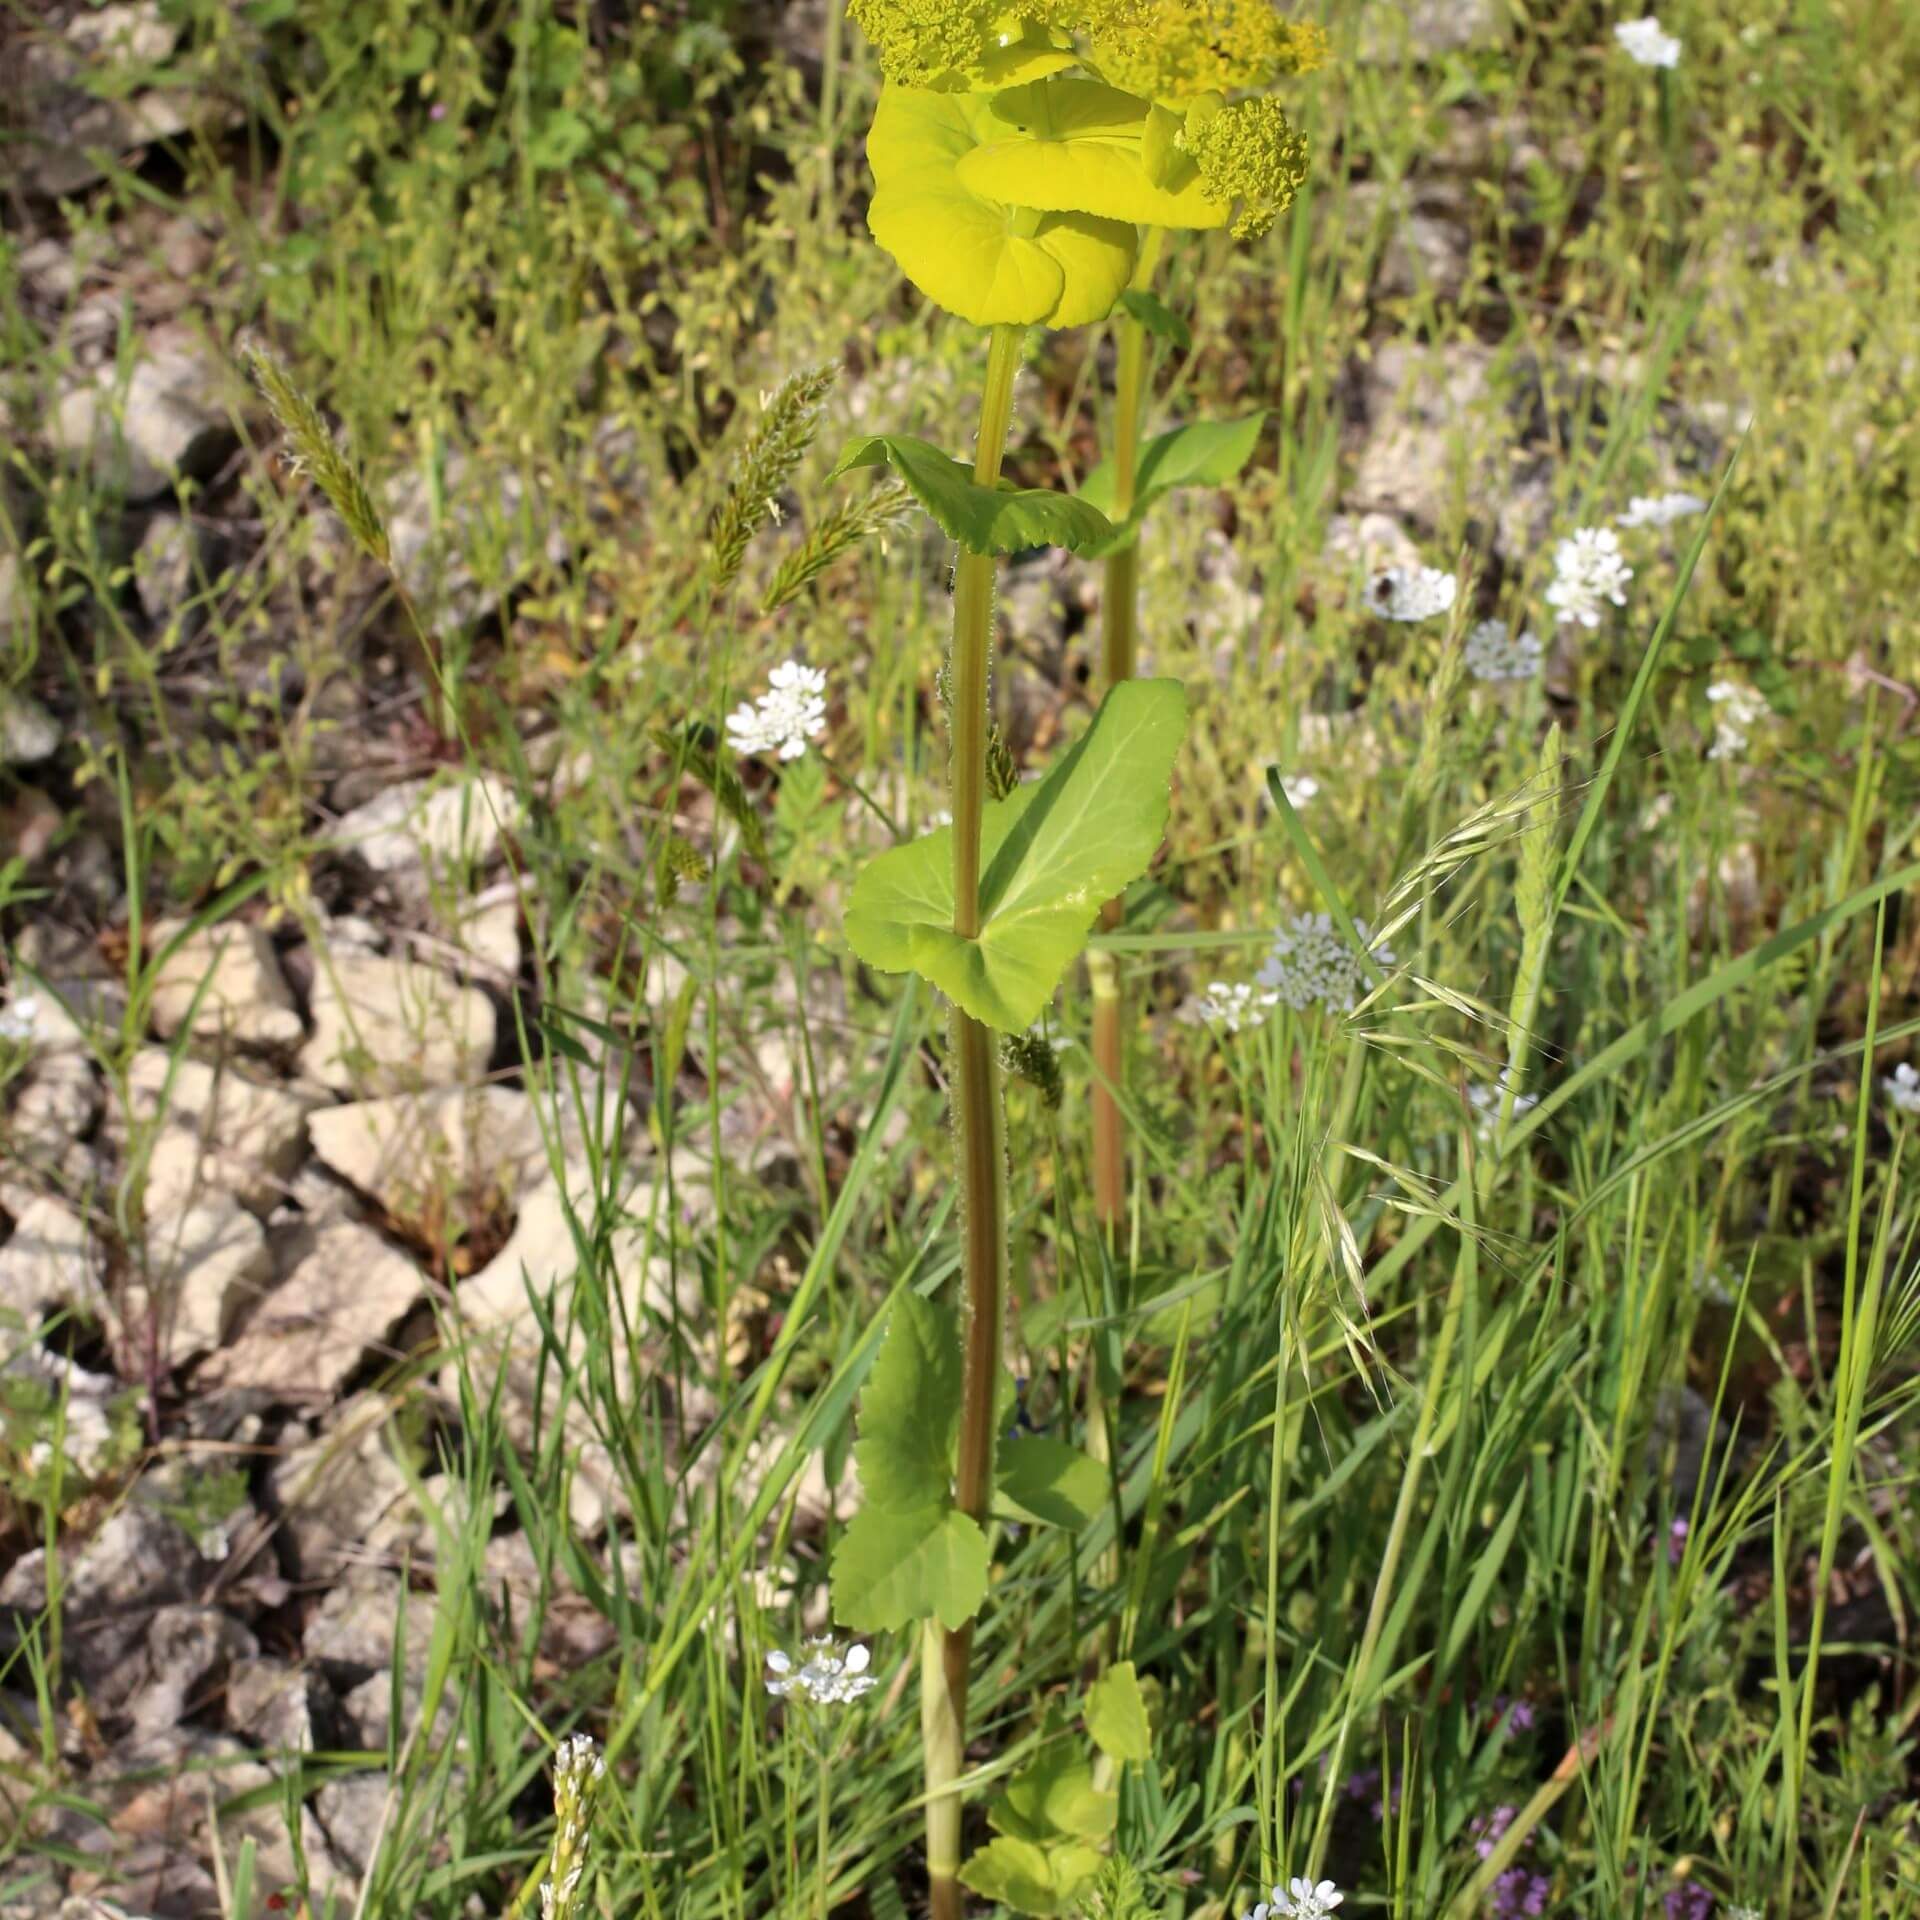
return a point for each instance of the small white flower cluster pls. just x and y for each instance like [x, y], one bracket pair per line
[1902, 1087]
[1411, 593]
[1660, 510]
[1311, 964]
[1646, 41]
[790, 713]
[1496, 652]
[1485, 1098]
[1233, 1005]
[1300, 1900]
[825, 1678]
[1588, 571]
[1299, 789]
[1737, 710]
[20, 1020]
[578, 1770]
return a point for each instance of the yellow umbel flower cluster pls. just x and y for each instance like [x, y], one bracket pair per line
[1021, 146]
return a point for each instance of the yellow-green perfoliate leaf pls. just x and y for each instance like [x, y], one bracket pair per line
[1075, 146]
[1030, 1878]
[989, 262]
[1045, 1480]
[1117, 1715]
[892, 1568]
[1002, 519]
[1206, 453]
[1051, 854]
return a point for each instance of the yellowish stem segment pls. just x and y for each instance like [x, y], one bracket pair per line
[979, 1131]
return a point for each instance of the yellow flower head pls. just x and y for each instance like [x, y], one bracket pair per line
[1250, 153]
[1177, 50]
[962, 46]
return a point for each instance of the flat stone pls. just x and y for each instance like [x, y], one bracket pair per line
[165, 427]
[483, 508]
[470, 1147]
[208, 1262]
[385, 1024]
[1425, 30]
[54, 1108]
[29, 734]
[50, 1263]
[331, 1488]
[309, 1333]
[353, 1809]
[273, 1703]
[225, 1131]
[432, 824]
[357, 1624]
[70, 118]
[181, 1664]
[242, 994]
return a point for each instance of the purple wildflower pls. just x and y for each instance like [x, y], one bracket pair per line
[1689, 1901]
[1677, 1541]
[1488, 1827]
[1519, 1892]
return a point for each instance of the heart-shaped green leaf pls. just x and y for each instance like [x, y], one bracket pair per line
[1003, 519]
[1054, 1797]
[892, 1567]
[1030, 1878]
[989, 261]
[1051, 854]
[1046, 1480]
[1208, 453]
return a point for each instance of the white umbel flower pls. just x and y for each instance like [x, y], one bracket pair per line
[789, 714]
[1902, 1087]
[1411, 593]
[826, 1677]
[1312, 965]
[1646, 41]
[1661, 509]
[1299, 789]
[1302, 1900]
[1737, 710]
[1233, 1005]
[20, 1020]
[1495, 652]
[1587, 573]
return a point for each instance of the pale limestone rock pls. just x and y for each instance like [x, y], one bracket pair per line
[50, 1262]
[329, 1489]
[206, 1263]
[164, 427]
[224, 1131]
[489, 932]
[385, 1024]
[245, 998]
[346, 1293]
[54, 1107]
[472, 1146]
[29, 734]
[432, 824]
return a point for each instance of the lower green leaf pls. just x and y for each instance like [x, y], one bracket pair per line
[1205, 453]
[891, 1568]
[1117, 1716]
[1030, 1878]
[1051, 854]
[1047, 1481]
[1003, 519]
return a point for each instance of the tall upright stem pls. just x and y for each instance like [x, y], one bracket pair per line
[1119, 621]
[982, 1150]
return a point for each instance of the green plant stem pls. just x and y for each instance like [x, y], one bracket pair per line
[1120, 631]
[978, 1129]
[823, 1827]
